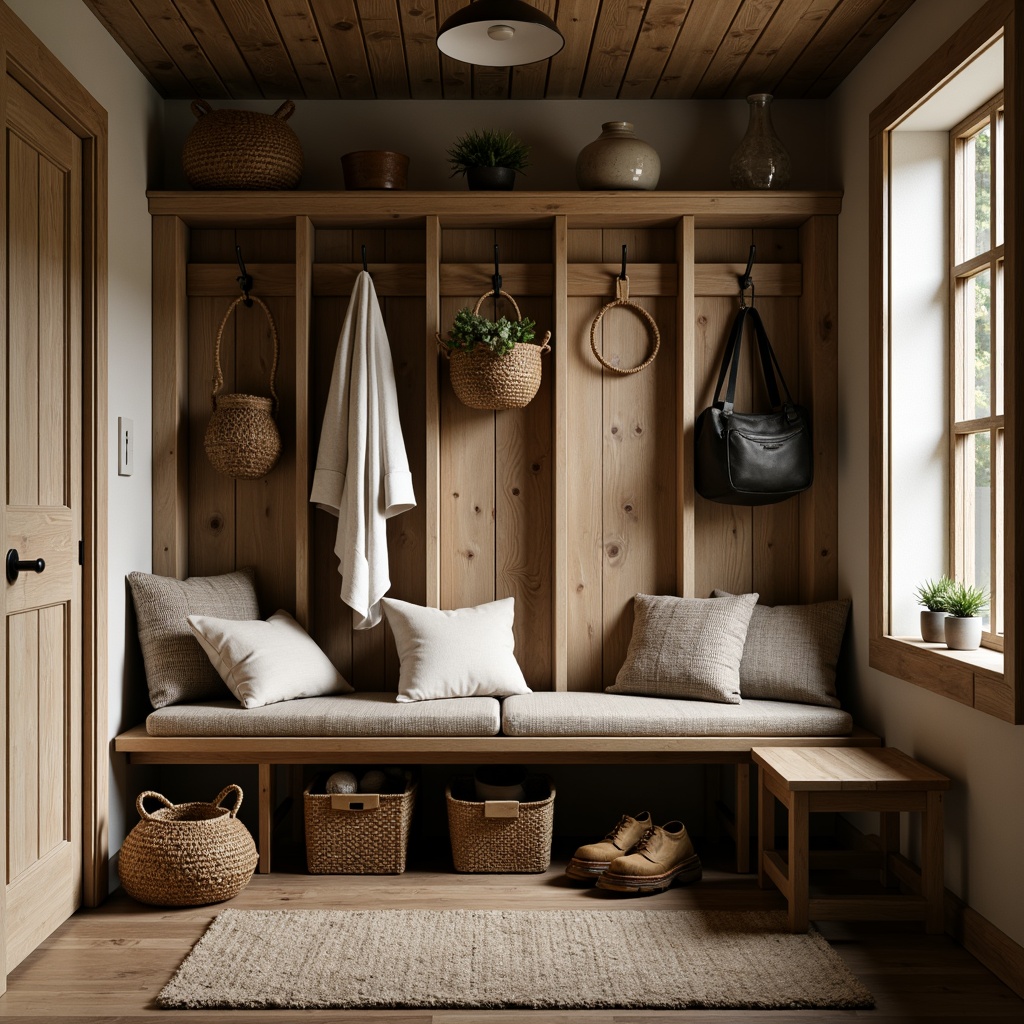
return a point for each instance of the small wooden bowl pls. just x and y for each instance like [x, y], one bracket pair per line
[375, 168]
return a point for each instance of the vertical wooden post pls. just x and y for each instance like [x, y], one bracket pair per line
[266, 815]
[765, 826]
[798, 881]
[742, 818]
[304, 242]
[170, 397]
[433, 412]
[685, 399]
[560, 360]
[819, 392]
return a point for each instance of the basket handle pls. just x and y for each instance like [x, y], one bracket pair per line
[232, 811]
[200, 108]
[140, 801]
[218, 380]
[502, 294]
[285, 110]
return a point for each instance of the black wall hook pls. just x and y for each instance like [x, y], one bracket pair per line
[496, 282]
[244, 278]
[622, 275]
[746, 281]
[364, 259]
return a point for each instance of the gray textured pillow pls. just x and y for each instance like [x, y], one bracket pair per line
[177, 668]
[686, 647]
[792, 650]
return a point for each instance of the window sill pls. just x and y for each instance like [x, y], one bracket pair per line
[974, 678]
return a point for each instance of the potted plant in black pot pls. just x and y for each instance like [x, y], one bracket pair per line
[489, 159]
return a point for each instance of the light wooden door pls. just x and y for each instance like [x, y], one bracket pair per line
[42, 510]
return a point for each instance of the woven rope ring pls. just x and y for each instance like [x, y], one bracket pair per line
[622, 299]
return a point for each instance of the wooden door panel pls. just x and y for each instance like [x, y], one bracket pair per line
[42, 532]
[42, 784]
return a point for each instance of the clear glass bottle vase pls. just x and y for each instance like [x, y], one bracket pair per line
[760, 160]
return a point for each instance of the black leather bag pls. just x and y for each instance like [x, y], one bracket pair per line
[752, 458]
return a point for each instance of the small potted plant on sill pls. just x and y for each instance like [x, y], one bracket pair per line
[933, 594]
[964, 603]
[489, 159]
[495, 364]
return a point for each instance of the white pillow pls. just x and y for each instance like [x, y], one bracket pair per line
[462, 653]
[266, 662]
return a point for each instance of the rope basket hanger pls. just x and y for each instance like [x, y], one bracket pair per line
[622, 299]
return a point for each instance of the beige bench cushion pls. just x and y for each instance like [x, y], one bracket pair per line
[614, 714]
[350, 714]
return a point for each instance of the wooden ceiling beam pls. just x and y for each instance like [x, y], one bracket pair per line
[576, 20]
[215, 40]
[252, 27]
[419, 30]
[342, 41]
[698, 42]
[301, 37]
[615, 35]
[793, 26]
[658, 35]
[747, 27]
[382, 36]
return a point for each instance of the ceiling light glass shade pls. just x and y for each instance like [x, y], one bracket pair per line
[499, 33]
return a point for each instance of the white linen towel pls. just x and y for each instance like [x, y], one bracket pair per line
[362, 469]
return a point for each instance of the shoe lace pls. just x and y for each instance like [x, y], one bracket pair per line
[644, 840]
[619, 829]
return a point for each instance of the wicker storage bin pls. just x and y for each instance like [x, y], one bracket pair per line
[357, 833]
[185, 855]
[242, 149]
[498, 836]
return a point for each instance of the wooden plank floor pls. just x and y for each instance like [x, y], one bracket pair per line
[109, 964]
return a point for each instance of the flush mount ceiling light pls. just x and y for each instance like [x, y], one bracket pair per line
[499, 33]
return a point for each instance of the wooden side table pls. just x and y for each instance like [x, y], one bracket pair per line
[807, 779]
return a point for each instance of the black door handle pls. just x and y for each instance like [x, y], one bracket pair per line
[15, 566]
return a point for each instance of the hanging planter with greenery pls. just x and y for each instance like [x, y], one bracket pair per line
[495, 364]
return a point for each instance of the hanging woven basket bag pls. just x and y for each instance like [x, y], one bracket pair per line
[242, 149]
[186, 855]
[241, 438]
[482, 379]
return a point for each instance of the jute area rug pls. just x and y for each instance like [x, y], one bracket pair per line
[465, 959]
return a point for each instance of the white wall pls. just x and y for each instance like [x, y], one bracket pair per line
[694, 138]
[70, 30]
[983, 756]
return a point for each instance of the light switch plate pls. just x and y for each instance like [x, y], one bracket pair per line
[125, 446]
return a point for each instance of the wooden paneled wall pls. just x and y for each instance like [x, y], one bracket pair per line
[571, 505]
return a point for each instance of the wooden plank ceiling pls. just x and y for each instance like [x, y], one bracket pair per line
[384, 49]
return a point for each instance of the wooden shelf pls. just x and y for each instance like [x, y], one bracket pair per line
[506, 209]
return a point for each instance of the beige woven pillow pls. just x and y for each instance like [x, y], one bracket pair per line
[177, 670]
[466, 652]
[267, 662]
[686, 647]
[792, 650]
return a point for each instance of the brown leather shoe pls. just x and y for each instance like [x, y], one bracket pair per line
[590, 860]
[664, 855]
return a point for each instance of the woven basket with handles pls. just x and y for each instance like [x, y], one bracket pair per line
[497, 836]
[483, 380]
[241, 438]
[185, 855]
[242, 149]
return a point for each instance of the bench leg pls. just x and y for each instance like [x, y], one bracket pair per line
[742, 818]
[799, 855]
[266, 812]
[932, 878]
[765, 827]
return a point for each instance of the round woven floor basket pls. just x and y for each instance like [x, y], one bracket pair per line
[185, 855]
[483, 380]
[242, 149]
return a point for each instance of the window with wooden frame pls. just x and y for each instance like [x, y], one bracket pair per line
[977, 426]
[945, 468]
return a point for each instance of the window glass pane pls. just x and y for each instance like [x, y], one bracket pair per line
[979, 452]
[977, 346]
[977, 197]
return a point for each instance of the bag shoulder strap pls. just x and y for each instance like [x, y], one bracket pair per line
[730, 364]
[769, 363]
[770, 369]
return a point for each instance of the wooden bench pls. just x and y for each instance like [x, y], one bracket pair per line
[265, 752]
